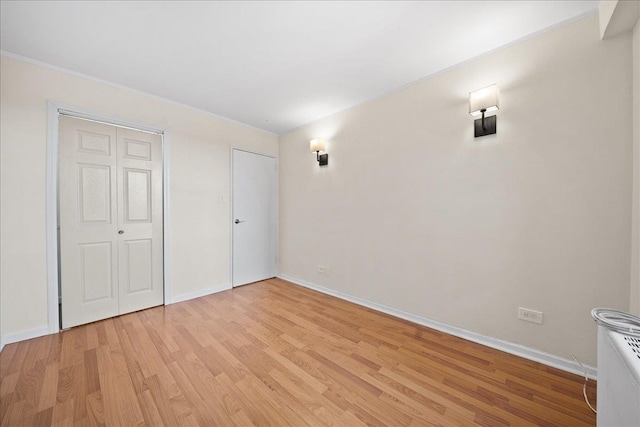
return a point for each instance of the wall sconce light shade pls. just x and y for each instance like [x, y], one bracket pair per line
[317, 145]
[483, 101]
[486, 99]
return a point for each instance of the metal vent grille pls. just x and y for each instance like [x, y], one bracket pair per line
[634, 343]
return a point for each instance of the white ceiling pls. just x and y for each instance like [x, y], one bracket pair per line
[272, 65]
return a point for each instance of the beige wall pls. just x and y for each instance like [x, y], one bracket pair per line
[414, 213]
[635, 253]
[199, 172]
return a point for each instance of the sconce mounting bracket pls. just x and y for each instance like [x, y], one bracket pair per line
[485, 126]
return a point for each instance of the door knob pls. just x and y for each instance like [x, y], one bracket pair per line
[237, 221]
[120, 231]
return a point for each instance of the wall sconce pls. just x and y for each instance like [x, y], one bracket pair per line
[483, 101]
[318, 145]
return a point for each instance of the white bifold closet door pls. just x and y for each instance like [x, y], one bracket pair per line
[110, 191]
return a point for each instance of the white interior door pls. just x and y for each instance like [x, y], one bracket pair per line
[254, 217]
[110, 204]
[140, 252]
[88, 221]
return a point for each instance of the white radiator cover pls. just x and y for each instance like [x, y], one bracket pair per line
[618, 379]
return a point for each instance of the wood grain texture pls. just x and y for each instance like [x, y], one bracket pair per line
[273, 353]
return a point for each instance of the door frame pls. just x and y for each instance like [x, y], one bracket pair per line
[231, 217]
[54, 109]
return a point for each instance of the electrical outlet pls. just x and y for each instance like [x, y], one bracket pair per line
[322, 269]
[327, 271]
[529, 315]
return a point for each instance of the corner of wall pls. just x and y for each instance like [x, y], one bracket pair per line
[605, 13]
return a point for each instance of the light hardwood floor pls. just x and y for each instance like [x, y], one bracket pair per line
[273, 353]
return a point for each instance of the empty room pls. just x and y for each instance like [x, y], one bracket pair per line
[322, 213]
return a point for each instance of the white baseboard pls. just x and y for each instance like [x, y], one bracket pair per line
[498, 344]
[198, 294]
[23, 335]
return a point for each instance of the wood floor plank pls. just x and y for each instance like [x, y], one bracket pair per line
[250, 406]
[293, 369]
[95, 409]
[204, 414]
[8, 384]
[13, 361]
[273, 353]
[323, 409]
[118, 393]
[168, 406]
[62, 413]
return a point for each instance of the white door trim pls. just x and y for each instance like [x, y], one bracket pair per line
[54, 109]
[231, 218]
